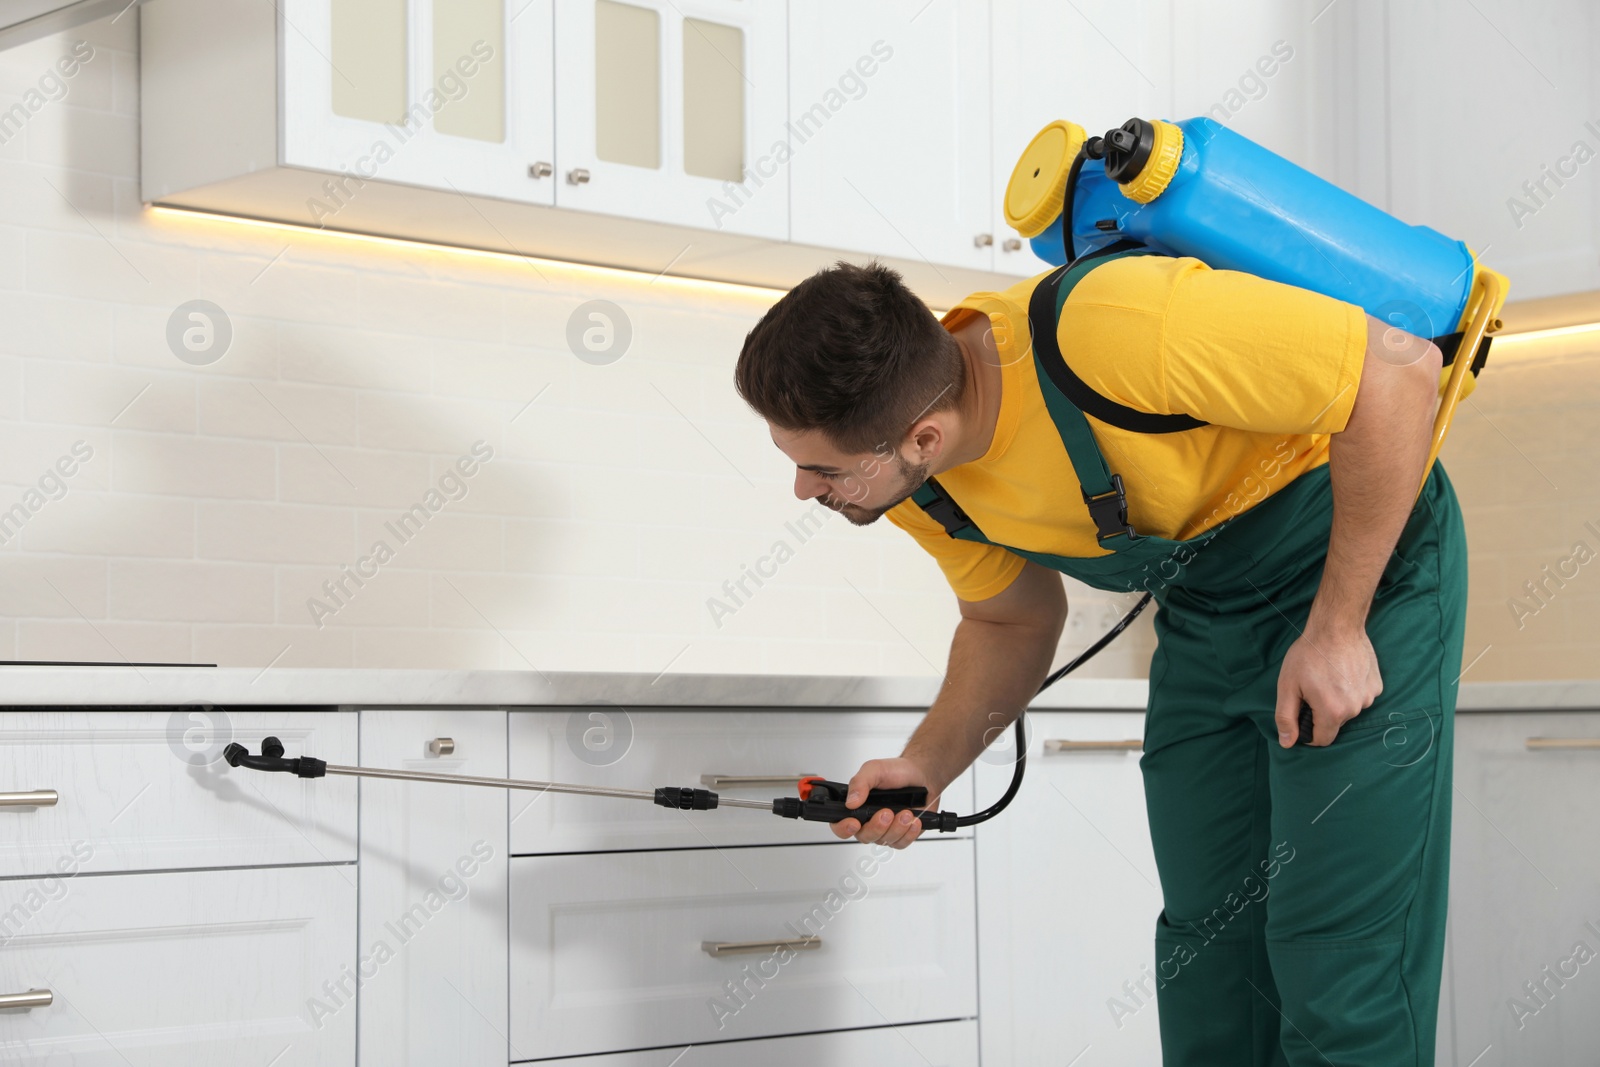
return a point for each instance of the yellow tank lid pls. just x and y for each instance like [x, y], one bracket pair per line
[1039, 180]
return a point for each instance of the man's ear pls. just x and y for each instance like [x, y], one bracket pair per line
[927, 440]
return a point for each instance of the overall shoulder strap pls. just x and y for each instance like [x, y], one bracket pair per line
[1044, 312]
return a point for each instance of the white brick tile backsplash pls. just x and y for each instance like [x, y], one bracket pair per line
[193, 466]
[104, 641]
[55, 328]
[190, 591]
[53, 587]
[86, 522]
[141, 340]
[93, 140]
[278, 411]
[273, 646]
[351, 477]
[250, 531]
[59, 391]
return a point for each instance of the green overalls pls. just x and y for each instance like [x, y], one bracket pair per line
[1304, 889]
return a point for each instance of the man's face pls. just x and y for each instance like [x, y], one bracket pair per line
[860, 487]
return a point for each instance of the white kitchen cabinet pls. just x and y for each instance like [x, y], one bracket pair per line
[433, 890]
[183, 969]
[446, 94]
[890, 129]
[604, 745]
[610, 950]
[1525, 889]
[918, 1045]
[149, 790]
[1068, 883]
[674, 112]
[1097, 63]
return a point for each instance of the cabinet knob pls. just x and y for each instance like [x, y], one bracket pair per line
[1012, 244]
[540, 170]
[577, 176]
[441, 746]
[983, 240]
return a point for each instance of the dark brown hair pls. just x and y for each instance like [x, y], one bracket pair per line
[853, 353]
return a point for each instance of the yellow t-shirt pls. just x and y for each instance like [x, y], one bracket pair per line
[1273, 370]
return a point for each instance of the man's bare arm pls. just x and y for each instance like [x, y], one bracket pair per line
[1000, 654]
[1376, 465]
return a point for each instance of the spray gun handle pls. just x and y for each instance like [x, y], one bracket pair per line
[823, 801]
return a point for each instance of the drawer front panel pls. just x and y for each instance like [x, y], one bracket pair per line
[632, 749]
[921, 1045]
[609, 951]
[149, 790]
[182, 969]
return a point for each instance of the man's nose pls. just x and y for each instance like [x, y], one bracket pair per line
[808, 486]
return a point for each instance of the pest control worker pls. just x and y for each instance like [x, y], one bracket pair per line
[1251, 453]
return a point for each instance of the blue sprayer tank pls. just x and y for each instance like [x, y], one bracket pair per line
[1196, 188]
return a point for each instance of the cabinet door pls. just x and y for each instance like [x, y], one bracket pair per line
[627, 950]
[1525, 889]
[183, 968]
[1066, 952]
[447, 94]
[673, 111]
[1112, 64]
[147, 790]
[433, 889]
[889, 129]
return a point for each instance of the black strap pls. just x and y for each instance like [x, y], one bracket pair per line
[1450, 342]
[941, 507]
[1042, 319]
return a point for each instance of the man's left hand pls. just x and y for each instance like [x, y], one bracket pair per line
[1336, 673]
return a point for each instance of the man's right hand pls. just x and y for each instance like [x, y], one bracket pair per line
[895, 829]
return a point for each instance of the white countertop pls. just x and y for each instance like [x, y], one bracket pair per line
[38, 686]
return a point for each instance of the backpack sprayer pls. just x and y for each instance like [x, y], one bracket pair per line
[1191, 188]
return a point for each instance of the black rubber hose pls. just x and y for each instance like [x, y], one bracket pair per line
[1067, 198]
[1022, 735]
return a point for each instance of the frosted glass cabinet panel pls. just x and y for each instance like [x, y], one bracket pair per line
[674, 112]
[463, 32]
[369, 59]
[445, 94]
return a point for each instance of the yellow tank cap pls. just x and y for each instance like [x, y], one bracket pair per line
[1039, 180]
[1160, 168]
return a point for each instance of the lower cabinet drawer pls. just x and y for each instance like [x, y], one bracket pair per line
[149, 790]
[189, 969]
[920, 1045]
[606, 745]
[610, 951]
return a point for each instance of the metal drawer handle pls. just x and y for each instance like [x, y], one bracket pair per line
[33, 998]
[34, 798]
[1056, 745]
[734, 948]
[751, 781]
[441, 746]
[577, 176]
[1564, 742]
[540, 170]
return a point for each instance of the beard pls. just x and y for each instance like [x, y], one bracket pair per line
[911, 477]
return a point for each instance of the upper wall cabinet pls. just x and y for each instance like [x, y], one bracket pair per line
[1111, 63]
[449, 94]
[889, 129]
[673, 112]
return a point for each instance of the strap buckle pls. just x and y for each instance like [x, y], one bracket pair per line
[945, 511]
[1110, 511]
